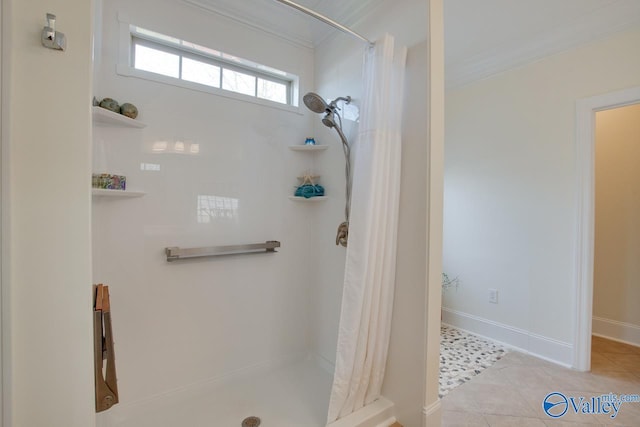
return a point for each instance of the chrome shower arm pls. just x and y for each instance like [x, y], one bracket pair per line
[346, 99]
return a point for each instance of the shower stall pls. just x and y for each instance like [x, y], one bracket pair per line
[239, 339]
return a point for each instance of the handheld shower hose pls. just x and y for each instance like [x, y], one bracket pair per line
[317, 104]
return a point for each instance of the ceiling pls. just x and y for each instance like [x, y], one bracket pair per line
[482, 37]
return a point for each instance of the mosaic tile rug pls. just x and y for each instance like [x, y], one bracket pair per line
[463, 356]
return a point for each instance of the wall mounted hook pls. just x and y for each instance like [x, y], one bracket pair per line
[51, 38]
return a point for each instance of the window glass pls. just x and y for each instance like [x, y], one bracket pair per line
[200, 72]
[273, 91]
[157, 61]
[236, 81]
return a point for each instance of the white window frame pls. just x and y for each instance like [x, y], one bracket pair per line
[130, 36]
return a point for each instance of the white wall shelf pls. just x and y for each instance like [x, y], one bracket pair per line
[310, 147]
[104, 117]
[99, 192]
[309, 200]
[314, 178]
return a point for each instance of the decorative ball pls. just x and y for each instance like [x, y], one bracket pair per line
[110, 104]
[129, 110]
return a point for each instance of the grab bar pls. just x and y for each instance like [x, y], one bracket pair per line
[175, 253]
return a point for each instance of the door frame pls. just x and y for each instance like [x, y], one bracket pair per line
[585, 227]
[3, 208]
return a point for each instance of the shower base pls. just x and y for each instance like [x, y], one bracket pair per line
[295, 395]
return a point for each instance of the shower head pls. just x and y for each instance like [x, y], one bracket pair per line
[315, 103]
[329, 119]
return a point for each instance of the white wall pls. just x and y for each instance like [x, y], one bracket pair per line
[177, 324]
[338, 73]
[616, 287]
[406, 375]
[510, 185]
[48, 373]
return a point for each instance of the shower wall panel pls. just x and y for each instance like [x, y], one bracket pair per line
[216, 171]
[338, 73]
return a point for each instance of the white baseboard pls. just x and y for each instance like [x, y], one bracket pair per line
[432, 414]
[519, 339]
[618, 331]
[388, 422]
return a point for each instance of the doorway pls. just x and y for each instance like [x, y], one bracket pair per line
[616, 279]
[586, 208]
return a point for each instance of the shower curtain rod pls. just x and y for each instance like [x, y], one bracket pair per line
[324, 19]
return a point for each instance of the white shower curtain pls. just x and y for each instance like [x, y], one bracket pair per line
[369, 280]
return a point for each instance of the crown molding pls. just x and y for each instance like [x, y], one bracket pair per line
[586, 29]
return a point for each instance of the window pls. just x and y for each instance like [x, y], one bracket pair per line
[167, 56]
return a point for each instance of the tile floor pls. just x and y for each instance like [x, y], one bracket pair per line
[463, 356]
[510, 393]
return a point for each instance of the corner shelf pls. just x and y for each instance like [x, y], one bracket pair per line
[309, 147]
[104, 117]
[309, 200]
[99, 192]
